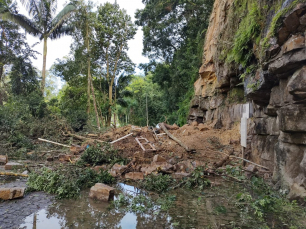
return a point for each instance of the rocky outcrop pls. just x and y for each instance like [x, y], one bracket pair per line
[273, 82]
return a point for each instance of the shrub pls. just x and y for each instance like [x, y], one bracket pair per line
[157, 183]
[96, 155]
[66, 182]
[197, 180]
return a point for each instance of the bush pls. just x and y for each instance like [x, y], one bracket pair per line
[66, 182]
[96, 155]
[157, 183]
[197, 180]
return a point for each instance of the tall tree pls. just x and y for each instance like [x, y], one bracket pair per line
[113, 29]
[44, 23]
[174, 32]
[13, 48]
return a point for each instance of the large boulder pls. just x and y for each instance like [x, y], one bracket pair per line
[102, 192]
[11, 193]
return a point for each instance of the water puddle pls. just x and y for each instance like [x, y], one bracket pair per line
[191, 210]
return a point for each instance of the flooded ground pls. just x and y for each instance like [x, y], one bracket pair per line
[208, 209]
[214, 207]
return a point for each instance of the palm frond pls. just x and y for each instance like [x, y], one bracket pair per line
[31, 6]
[22, 21]
[62, 16]
[61, 31]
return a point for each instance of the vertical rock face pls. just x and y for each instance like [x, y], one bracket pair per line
[273, 81]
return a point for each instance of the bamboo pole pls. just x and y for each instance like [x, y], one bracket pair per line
[55, 143]
[121, 138]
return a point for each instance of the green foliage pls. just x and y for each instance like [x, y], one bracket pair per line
[264, 202]
[197, 180]
[143, 203]
[174, 33]
[248, 33]
[158, 183]
[105, 154]
[66, 182]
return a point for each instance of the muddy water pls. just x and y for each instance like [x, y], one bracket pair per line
[211, 208]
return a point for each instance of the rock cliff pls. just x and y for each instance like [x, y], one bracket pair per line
[255, 53]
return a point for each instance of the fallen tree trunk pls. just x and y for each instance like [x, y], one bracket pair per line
[84, 138]
[174, 138]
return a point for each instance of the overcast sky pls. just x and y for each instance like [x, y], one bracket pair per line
[61, 47]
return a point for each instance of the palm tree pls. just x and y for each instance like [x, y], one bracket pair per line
[44, 23]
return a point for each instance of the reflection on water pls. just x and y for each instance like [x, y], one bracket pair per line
[192, 210]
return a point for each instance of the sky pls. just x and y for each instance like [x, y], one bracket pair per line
[61, 47]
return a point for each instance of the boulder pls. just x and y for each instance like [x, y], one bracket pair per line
[194, 123]
[134, 176]
[12, 165]
[64, 157]
[3, 159]
[118, 169]
[158, 158]
[149, 169]
[11, 193]
[102, 192]
[251, 168]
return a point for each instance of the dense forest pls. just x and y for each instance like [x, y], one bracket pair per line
[100, 88]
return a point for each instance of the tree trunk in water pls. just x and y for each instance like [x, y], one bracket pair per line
[43, 73]
[110, 98]
[95, 105]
